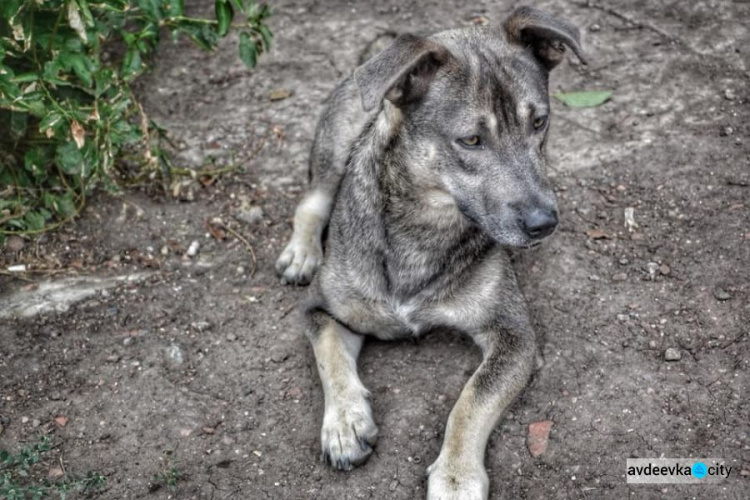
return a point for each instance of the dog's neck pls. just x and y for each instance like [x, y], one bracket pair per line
[422, 227]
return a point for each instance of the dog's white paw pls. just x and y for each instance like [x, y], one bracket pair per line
[461, 482]
[348, 435]
[299, 261]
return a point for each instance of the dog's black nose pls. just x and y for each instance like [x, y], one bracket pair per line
[539, 222]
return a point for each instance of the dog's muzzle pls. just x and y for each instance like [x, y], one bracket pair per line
[538, 223]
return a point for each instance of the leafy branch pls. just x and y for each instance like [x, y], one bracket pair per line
[72, 120]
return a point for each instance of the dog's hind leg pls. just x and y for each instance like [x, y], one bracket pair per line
[459, 473]
[349, 432]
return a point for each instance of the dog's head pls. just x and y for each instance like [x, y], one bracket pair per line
[474, 116]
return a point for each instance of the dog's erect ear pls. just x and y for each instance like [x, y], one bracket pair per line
[545, 34]
[401, 73]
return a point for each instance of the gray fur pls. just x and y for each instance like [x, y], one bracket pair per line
[419, 224]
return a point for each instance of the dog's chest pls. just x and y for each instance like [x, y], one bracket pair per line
[368, 308]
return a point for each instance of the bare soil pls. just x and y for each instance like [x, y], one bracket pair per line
[205, 356]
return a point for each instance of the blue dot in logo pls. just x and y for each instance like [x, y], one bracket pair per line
[699, 470]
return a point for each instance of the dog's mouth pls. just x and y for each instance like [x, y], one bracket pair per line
[508, 233]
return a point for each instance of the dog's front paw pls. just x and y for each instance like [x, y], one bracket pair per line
[457, 482]
[299, 261]
[347, 437]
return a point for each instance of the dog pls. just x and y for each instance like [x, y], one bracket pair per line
[428, 166]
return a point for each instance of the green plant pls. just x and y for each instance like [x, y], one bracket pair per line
[18, 476]
[68, 118]
[169, 475]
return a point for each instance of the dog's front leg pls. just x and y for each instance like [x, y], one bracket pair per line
[304, 253]
[459, 473]
[349, 432]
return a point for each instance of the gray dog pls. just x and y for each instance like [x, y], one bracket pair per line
[428, 164]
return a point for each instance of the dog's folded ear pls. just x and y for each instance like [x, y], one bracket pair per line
[545, 34]
[401, 73]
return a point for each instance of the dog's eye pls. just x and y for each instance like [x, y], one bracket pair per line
[473, 141]
[540, 122]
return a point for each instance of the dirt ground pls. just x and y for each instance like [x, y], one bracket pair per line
[203, 356]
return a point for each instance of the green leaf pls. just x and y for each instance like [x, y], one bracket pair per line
[84, 6]
[132, 63]
[239, 5]
[34, 222]
[18, 124]
[69, 158]
[224, 15]
[9, 9]
[267, 36]
[53, 121]
[25, 78]
[104, 78]
[35, 161]
[64, 205]
[34, 102]
[203, 35]
[584, 99]
[79, 64]
[8, 89]
[248, 50]
[176, 7]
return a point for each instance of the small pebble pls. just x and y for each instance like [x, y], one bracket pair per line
[729, 95]
[624, 261]
[193, 249]
[280, 94]
[201, 326]
[672, 354]
[595, 27]
[727, 131]
[174, 354]
[538, 437]
[231, 337]
[279, 356]
[620, 277]
[722, 294]
[622, 317]
[664, 269]
[14, 244]
[251, 215]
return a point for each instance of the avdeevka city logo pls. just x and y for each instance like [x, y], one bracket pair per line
[676, 470]
[699, 470]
